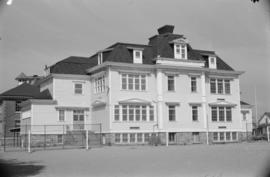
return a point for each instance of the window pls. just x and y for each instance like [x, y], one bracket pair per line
[117, 138]
[100, 84]
[17, 123]
[180, 51]
[170, 83]
[215, 136]
[131, 113]
[60, 139]
[134, 112]
[139, 137]
[100, 58]
[171, 113]
[146, 137]
[228, 114]
[17, 106]
[227, 86]
[78, 115]
[228, 136]
[195, 113]
[193, 84]
[137, 56]
[151, 113]
[132, 137]
[116, 113]
[212, 62]
[172, 137]
[137, 113]
[234, 136]
[220, 86]
[143, 113]
[61, 115]
[224, 136]
[78, 89]
[124, 81]
[133, 82]
[124, 112]
[124, 137]
[213, 85]
[214, 114]
[220, 113]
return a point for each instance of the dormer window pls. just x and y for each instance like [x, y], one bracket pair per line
[212, 62]
[137, 56]
[100, 58]
[180, 51]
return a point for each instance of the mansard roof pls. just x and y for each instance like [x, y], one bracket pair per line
[160, 45]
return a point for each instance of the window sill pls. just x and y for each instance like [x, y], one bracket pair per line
[224, 94]
[133, 90]
[134, 121]
[221, 121]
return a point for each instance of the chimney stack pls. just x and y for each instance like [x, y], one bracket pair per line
[165, 29]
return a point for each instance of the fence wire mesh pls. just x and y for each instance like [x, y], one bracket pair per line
[45, 137]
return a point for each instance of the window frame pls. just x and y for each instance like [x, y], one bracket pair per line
[195, 113]
[172, 113]
[128, 82]
[171, 83]
[193, 82]
[78, 91]
[61, 115]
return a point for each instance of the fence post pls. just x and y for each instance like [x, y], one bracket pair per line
[63, 138]
[44, 137]
[268, 136]
[87, 144]
[167, 139]
[100, 133]
[29, 140]
[246, 131]
[5, 137]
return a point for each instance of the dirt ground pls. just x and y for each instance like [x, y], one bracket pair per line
[244, 159]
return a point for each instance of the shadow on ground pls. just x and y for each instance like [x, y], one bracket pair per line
[13, 168]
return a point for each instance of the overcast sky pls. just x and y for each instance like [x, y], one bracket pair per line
[35, 33]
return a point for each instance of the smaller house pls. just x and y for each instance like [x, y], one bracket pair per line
[263, 122]
[10, 101]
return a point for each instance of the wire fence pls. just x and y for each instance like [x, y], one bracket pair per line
[45, 137]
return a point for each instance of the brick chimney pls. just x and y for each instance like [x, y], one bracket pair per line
[165, 29]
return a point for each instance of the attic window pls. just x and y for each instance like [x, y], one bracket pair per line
[180, 51]
[212, 62]
[137, 56]
[100, 58]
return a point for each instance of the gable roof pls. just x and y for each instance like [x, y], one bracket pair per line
[73, 65]
[25, 91]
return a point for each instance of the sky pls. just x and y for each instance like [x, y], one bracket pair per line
[35, 33]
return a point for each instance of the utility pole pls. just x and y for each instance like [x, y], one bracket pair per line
[256, 109]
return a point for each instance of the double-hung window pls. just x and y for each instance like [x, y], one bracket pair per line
[220, 86]
[61, 115]
[78, 115]
[171, 112]
[221, 114]
[195, 113]
[100, 84]
[78, 88]
[193, 84]
[116, 113]
[171, 86]
[135, 82]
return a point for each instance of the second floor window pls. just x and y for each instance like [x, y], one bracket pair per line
[78, 88]
[135, 82]
[193, 84]
[78, 115]
[171, 83]
[195, 113]
[221, 114]
[100, 84]
[220, 86]
[61, 115]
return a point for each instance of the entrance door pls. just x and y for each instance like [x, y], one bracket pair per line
[78, 119]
